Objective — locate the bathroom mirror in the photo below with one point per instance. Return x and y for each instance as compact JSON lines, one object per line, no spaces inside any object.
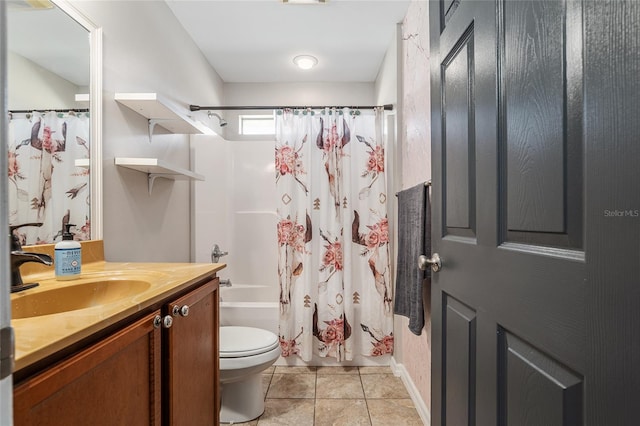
{"x":54,"y":94}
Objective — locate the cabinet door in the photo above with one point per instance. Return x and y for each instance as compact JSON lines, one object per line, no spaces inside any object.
{"x":113,"y":382}
{"x":192,"y":370}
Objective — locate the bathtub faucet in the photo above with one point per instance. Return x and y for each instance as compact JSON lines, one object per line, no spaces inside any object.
{"x":225,"y":283}
{"x":216,"y":254}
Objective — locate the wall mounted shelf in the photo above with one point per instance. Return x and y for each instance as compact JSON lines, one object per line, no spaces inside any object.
{"x":162,"y":112}
{"x":82,"y":162}
{"x":82,"y":97}
{"x":156,"y":168}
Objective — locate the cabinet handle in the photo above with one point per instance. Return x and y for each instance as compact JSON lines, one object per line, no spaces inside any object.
{"x":167,"y":321}
{"x":183,"y":311}
{"x":157,"y":321}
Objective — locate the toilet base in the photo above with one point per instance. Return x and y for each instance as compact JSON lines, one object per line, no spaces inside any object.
{"x":242,"y":401}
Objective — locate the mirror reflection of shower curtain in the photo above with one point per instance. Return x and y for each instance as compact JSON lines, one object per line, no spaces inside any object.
{"x":45,"y":185}
{"x":333,"y":239}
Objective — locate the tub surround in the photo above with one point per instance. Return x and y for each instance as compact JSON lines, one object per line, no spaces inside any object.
{"x":36,"y":338}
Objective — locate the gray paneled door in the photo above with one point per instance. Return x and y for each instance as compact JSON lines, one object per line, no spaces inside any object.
{"x":536,"y":212}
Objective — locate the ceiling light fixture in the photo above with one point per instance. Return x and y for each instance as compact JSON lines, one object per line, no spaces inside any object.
{"x":305,"y":62}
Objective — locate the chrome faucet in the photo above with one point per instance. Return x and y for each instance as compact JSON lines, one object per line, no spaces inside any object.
{"x":216,"y":254}
{"x":18,"y":257}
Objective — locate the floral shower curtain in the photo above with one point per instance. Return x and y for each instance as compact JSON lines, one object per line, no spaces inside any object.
{"x":333,"y":266}
{"x":44,"y":183}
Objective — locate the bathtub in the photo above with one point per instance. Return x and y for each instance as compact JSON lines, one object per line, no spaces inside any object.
{"x":257,"y":306}
{"x":250,"y":306}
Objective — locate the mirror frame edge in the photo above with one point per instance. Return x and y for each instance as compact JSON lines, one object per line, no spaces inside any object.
{"x":95,"y":107}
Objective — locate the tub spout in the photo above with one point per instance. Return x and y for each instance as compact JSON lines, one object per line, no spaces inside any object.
{"x":225,"y":283}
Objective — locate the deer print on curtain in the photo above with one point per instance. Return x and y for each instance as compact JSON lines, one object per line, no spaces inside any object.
{"x":335,"y":287}
{"x":44,"y":183}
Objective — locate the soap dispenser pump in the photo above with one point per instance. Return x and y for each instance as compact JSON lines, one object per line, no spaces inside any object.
{"x":68,"y":256}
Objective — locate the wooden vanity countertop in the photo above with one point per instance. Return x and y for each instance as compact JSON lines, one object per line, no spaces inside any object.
{"x":38,"y":337}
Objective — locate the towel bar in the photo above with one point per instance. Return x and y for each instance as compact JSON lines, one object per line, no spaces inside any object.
{"x":427,"y":183}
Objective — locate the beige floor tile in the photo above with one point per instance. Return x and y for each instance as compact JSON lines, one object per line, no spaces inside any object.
{"x":269,"y":370}
{"x":341,"y":412}
{"x":294,"y":370}
{"x":339,"y":386}
{"x":383,"y":386}
{"x":251,"y":423}
{"x":385,"y":412}
{"x":266,"y":380}
{"x":375,"y":370}
{"x":337,"y":370}
{"x":284,"y":412}
{"x":292,"y":386}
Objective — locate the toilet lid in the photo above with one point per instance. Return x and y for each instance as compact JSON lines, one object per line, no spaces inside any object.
{"x":237,"y":341}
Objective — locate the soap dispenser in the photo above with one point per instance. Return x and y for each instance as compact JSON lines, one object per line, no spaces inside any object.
{"x":68,"y":256}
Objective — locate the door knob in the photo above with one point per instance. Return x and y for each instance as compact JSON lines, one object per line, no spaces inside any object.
{"x":435,"y":262}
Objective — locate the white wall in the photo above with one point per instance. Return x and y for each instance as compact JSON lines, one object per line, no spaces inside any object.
{"x":33,"y":87}
{"x":291,"y":94}
{"x":212,"y":200}
{"x":299,"y":93}
{"x":236,"y":208}
{"x":147,"y":50}
{"x":386,"y":84}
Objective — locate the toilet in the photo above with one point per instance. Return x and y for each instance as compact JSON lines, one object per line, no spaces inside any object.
{"x":245,"y":352}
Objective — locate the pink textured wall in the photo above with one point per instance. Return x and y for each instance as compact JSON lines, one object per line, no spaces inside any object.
{"x":416,"y":168}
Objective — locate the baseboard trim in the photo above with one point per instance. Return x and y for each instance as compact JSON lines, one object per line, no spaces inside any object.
{"x":399,"y":371}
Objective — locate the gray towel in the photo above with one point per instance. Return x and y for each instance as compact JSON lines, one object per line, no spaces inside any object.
{"x":414,"y":239}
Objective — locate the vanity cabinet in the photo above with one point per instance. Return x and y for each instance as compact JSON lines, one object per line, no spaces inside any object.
{"x":160,"y":369}
{"x":116,"y":381}
{"x":191,"y":358}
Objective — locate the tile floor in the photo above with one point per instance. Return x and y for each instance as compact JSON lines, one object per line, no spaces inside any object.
{"x":335,"y":396}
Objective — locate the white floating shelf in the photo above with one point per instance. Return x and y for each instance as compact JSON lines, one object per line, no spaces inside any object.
{"x":162,"y":112}
{"x":82,"y":97}
{"x":156,"y":168}
{"x":82,"y":162}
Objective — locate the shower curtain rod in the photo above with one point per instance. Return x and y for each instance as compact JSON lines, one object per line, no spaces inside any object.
{"x":28,"y":111}
{"x":387,"y":107}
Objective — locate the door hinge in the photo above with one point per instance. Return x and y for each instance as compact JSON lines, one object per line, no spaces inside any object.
{"x":7,"y":351}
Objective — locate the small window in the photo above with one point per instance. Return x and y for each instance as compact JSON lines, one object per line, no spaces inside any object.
{"x":257,"y":125}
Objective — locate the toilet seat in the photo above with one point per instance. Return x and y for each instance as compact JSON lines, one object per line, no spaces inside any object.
{"x":245,"y":352}
{"x":238,"y":342}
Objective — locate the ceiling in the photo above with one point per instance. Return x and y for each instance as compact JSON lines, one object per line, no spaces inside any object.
{"x":255,"y":41}
{"x":243,"y":40}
